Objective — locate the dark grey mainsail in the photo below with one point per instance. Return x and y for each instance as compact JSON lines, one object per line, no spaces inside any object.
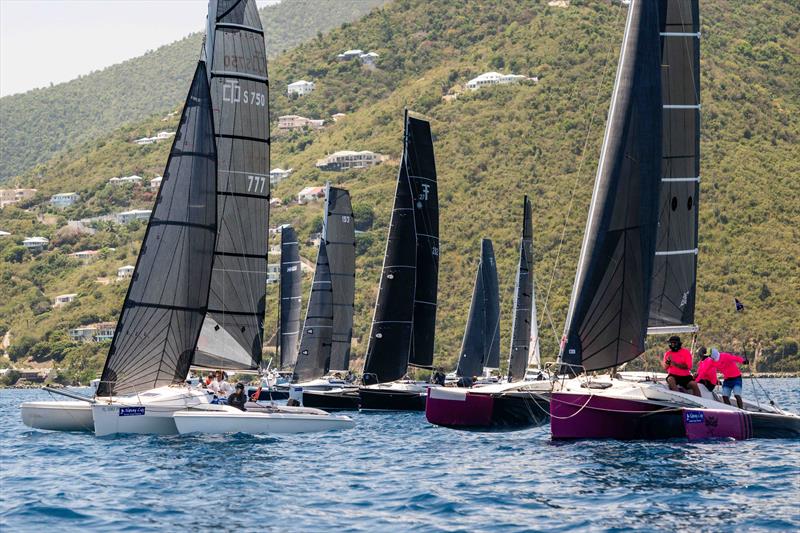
{"x":291,"y":294}
{"x":672,"y":298}
{"x":340,"y":241}
{"x":608,"y":311}
{"x":404,"y":321}
{"x":314,"y":358}
{"x":523,"y":300}
{"x":233,"y":331}
{"x":481,"y":346}
{"x":168,"y":294}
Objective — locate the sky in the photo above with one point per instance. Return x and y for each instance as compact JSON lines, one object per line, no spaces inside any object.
{"x":52,"y":41}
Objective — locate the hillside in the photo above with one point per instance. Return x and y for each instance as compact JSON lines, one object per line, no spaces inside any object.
{"x":492,"y":146}
{"x":36,"y":124}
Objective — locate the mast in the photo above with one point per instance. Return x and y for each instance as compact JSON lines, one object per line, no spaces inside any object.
{"x":404,"y":320}
{"x":480,"y":344}
{"x":232,"y":334}
{"x":674,"y":279}
{"x":608,"y":311}
{"x":290,"y":295}
{"x":523,"y":300}
{"x":166,"y":300}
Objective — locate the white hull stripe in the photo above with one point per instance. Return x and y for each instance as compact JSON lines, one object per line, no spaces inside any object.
{"x":678,"y":252}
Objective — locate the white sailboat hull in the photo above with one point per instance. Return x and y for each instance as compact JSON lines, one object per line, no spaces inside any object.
{"x":286,"y":420}
{"x":148,"y":413}
{"x":58,"y":415}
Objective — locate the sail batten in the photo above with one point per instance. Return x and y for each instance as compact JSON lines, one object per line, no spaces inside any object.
{"x":167,"y":298}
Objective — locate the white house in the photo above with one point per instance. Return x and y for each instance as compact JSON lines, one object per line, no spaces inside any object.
{"x":338,"y":116}
{"x":348,"y":159}
{"x":125,"y":271}
{"x":63,"y":199}
{"x":300,"y":88}
{"x":347,"y":55}
{"x":273,"y":273}
{"x":85,"y":256}
{"x":275,"y":202}
{"x":4,"y":233}
{"x":493,"y":78}
{"x":35,"y":244}
{"x":295,"y":122}
{"x":100,"y":331}
{"x":126,"y":180}
{"x":369,"y":58}
{"x":161,"y":135}
{"x":276,"y":175}
{"x":155,"y":183}
{"x":310,"y":194}
{"x":64,"y":299}
{"x":144,"y":140}
{"x":134,"y":214}
{"x":12,"y":196}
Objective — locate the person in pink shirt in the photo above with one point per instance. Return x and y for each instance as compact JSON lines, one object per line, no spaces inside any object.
{"x":706,"y":370}
{"x":678,"y":364}
{"x":731,"y":375}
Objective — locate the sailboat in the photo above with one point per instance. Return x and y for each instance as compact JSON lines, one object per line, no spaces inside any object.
{"x":404,"y":321}
{"x":198,"y":289}
{"x":519,"y":401}
{"x":638,"y":263}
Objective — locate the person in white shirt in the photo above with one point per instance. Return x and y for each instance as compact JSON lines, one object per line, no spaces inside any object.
{"x":225,"y":388}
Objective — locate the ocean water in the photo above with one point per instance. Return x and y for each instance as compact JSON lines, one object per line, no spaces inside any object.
{"x":393,"y":472}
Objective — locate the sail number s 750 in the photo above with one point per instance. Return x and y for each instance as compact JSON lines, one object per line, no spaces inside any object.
{"x":232,"y":92}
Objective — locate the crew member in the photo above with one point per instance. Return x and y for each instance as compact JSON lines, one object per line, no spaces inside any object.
{"x":706,"y":370}
{"x":238,"y":398}
{"x":678,"y":364}
{"x":731,"y":375}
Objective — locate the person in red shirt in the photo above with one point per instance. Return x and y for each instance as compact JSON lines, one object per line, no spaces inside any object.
{"x":706,"y":370}
{"x":678,"y":364}
{"x":731,"y":375}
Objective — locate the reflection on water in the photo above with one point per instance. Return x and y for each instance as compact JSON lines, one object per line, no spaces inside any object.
{"x":392,"y":472}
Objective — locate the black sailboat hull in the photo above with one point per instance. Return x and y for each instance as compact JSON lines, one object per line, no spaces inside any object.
{"x":340,"y":400}
{"x":267,"y":395}
{"x":391,"y":400}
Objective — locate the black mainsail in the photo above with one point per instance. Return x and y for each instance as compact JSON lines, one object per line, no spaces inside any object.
{"x":523,"y":300}
{"x":233,"y":331}
{"x":481,"y":345}
{"x":291,"y":294}
{"x":340,"y":242}
{"x":314,"y":358}
{"x":403,"y":325}
{"x":167,"y":298}
{"x":672,"y":298}
{"x":608,"y":311}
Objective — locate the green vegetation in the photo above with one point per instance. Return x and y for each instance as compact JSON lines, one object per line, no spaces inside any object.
{"x":492,"y":146}
{"x":38,"y":123}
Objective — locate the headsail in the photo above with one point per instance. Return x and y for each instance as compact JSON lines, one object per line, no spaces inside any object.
{"x":481,"y":346}
{"x":314,"y":358}
{"x":607,"y":317}
{"x":340,"y":241}
{"x":167,"y":298}
{"x":291,"y":294}
{"x":523,"y":299}
{"x":403,"y":325}
{"x":233,"y":331}
{"x":672,"y":297}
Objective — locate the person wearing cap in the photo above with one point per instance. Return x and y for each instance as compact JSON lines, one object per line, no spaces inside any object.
{"x":731,"y":375}
{"x":706,"y":370}
{"x":678,"y":364}
{"x":238,"y":398}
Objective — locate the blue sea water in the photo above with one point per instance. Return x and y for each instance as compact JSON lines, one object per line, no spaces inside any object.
{"x":393,"y":472}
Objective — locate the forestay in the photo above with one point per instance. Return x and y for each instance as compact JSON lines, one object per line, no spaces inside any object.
{"x":232,"y":334}
{"x":168,"y":294}
{"x":291,"y":294}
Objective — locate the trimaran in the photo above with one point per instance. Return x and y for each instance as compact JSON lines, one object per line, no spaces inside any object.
{"x":198,"y":292}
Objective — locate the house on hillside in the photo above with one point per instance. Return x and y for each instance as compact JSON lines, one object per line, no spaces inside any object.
{"x":495,"y":78}
{"x":64,"y":299}
{"x":276,"y":175}
{"x":144,"y":141}
{"x":348,"y":159}
{"x":296,"y":122}
{"x":310,"y":194}
{"x":101,"y":331}
{"x":63,"y":199}
{"x":4,"y":233}
{"x":85,"y":256}
{"x":275,"y":202}
{"x":338,"y":116}
{"x":126,"y":180}
{"x":370,"y":58}
{"x":155,"y":183}
{"x":300,"y":88}
{"x":162,"y":135}
{"x":347,"y":55}
{"x":134,"y":214}
{"x":273,"y":273}
{"x":12,"y":196}
{"x":35,"y":244}
{"x":124,"y":272}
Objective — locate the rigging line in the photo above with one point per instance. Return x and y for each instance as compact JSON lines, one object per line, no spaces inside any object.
{"x":577,"y":179}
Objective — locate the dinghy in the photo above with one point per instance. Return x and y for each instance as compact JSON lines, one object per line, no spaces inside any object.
{"x":638,"y":264}
{"x":404,"y":321}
